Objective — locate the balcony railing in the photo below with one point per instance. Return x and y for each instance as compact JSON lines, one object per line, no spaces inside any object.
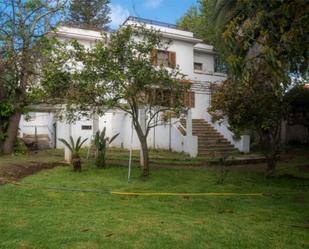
{"x":152,"y":22}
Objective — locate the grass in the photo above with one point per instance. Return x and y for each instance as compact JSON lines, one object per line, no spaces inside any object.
{"x":156,"y":157}
{"x":34,"y":217}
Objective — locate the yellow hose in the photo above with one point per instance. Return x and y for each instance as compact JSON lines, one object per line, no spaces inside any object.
{"x":135,"y":193}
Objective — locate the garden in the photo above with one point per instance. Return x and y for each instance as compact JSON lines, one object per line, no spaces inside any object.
{"x":39,"y":209}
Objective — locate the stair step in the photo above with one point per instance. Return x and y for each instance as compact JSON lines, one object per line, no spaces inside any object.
{"x":211,"y":149}
{"x":210,"y":141}
{"x":205,"y":133}
{"x":209,"y":136}
{"x":30,"y":136}
{"x":220,"y":140}
{"x":204,"y":130}
{"x":215,"y":145}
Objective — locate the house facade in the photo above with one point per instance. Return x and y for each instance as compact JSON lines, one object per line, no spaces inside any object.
{"x":195,"y":134}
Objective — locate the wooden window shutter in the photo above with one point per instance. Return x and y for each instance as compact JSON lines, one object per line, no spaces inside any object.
{"x":190,"y":99}
{"x":154,"y":57}
{"x":172,"y":59}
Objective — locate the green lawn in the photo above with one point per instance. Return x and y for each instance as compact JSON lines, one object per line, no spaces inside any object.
{"x":33,"y":216}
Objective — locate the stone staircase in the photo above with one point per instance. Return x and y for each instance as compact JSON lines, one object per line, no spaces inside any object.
{"x":41,"y":142}
{"x":210,"y":141}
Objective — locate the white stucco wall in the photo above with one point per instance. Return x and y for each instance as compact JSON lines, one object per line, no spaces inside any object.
{"x":206,"y":59}
{"x":184,"y":56}
{"x":115,"y":122}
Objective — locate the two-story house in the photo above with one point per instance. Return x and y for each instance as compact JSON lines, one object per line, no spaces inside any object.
{"x":196,"y":60}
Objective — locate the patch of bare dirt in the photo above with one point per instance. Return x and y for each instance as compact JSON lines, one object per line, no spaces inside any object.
{"x":14,"y":172}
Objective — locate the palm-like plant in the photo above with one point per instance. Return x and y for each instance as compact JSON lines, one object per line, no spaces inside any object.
{"x":101,"y":142}
{"x":74,"y":148}
{"x":225,"y":11}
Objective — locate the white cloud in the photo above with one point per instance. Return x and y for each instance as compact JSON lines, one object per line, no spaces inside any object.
{"x":118,"y":15}
{"x":153,"y":3}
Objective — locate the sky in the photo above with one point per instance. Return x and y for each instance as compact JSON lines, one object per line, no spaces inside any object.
{"x":160,"y":10}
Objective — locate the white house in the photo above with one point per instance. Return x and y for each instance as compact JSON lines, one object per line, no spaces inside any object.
{"x":202,"y":137}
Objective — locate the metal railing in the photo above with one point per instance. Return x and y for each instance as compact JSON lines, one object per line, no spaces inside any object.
{"x":178,"y":126}
{"x":148,"y":21}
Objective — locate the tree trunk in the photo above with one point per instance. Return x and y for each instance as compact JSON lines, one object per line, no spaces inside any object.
{"x":145,"y":165}
{"x":12,"y":132}
{"x":274,"y":139}
{"x":144,"y":162}
{"x":271,"y":161}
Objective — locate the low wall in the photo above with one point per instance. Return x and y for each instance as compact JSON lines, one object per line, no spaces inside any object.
{"x":160,"y":137}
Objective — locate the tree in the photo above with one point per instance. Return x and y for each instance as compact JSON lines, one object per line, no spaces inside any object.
{"x":89,"y":14}
{"x":264,"y":47}
{"x":119,"y":72}
{"x":23,"y":26}
{"x":198,"y":19}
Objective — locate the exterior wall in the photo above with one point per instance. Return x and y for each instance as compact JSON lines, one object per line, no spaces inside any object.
{"x":206,"y":59}
{"x":65,"y":130}
{"x":160,"y":137}
{"x":184,"y":56}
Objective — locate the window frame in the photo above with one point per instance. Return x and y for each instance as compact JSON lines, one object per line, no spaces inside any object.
{"x":200,"y":64}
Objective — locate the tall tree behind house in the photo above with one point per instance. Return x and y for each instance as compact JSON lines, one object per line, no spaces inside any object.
{"x":89,"y":14}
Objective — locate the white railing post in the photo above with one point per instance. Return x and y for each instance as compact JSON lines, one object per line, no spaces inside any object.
{"x":191,"y":142}
{"x":245,"y":143}
{"x":189,"y":123}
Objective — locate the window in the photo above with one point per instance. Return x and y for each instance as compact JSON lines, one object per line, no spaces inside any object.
{"x":166,"y":98}
{"x":220,"y":65}
{"x":198,"y":66}
{"x":164,"y":58}
{"x":86,"y":127}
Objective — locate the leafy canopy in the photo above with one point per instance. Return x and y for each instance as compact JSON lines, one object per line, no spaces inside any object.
{"x":89,"y":14}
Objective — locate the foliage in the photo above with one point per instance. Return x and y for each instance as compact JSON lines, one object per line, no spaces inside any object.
{"x":101,"y":142}
{"x":198,"y":19}
{"x":74,"y":148}
{"x":23,"y":29}
{"x":222,"y":171}
{"x":20,"y":147}
{"x":89,"y":14}
{"x":118,"y":72}
{"x":264,"y":46}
